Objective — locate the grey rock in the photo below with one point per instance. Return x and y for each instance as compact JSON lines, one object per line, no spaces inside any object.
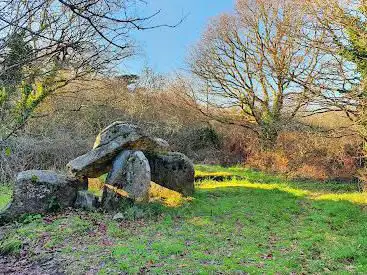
{"x":41,"y":191}
{"x":118,"y":129}
{"x":131,"y":173}
{"x":110,"y":142}
{"x":172,"y":170}
{"x":112,"y":201}
{"x":86,"y":200}
{"x":114,"y":130}
{"x":118,"y":217}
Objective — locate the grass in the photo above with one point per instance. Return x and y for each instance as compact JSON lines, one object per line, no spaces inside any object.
{"x":5,"y":195}
{"x":250,"y":222}
{"x":232,"y":173}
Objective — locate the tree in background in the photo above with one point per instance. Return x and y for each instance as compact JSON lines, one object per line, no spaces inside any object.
{"x":13,"y":88}
{"x":253,"y":66}
{"x":345,"y":42}
{"x":344,"y":22}
{"x":46,"y":45}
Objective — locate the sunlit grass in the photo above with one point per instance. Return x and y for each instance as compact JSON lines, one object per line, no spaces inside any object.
{"x":158,"y":194}
{"x":166,"y":196}
{"x":254,"y":176}
{"x":95,"y":185}
{"x":247,"y":184}
{"x":359,"y":198}
{"x":259,"y":180}
{"x":209,"y":171}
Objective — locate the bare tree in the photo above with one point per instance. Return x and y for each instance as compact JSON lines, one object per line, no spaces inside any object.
{"x":344,"y":86}
{"x":254,"y":66}
{"x":63,"y":40}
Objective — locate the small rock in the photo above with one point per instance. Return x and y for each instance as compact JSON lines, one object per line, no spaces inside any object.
{"x":118,"y":217}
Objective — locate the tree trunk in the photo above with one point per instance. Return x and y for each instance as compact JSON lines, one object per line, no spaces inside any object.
{"x":268,"y":136}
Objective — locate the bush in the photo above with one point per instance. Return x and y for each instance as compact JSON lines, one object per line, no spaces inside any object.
{"x":308,"y":155}
{"x":28,"y":152}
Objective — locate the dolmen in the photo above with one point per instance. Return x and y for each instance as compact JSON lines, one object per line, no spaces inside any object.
{"x":130,"y":157}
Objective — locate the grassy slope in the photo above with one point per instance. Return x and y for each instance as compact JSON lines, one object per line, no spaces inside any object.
{"x":257,"y":224}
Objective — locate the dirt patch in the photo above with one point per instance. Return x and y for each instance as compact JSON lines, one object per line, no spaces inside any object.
{"x":13,"y":265}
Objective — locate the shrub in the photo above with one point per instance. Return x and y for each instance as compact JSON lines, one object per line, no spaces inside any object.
{"x":28,"y":152}
{"x":271,"y":161}
{"x":309,"y":155}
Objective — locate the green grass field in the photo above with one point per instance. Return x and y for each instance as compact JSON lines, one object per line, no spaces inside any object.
{"x":248,"y":222}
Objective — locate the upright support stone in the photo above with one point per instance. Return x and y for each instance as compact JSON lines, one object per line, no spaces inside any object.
{"x":131,"y":173}
{"x":172,"y":170}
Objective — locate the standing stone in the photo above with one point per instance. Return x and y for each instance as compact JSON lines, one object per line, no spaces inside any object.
{"x":172,"y":170}
{"x":40,"y":191}
{"x":109,"y":143}
{"x":131,"y":173}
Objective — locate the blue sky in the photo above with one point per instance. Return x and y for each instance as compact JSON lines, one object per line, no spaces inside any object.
{"x":165,"y":49}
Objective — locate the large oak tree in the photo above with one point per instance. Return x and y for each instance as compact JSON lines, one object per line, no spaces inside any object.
{"x":253,"y":64}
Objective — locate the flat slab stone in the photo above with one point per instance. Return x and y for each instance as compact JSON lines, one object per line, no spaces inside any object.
{"x":40,"y":191}
{"x":109,"y":143}
{"x":172,"y":170}
{"x":118,"y":129}
{"x":131,"y":173}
